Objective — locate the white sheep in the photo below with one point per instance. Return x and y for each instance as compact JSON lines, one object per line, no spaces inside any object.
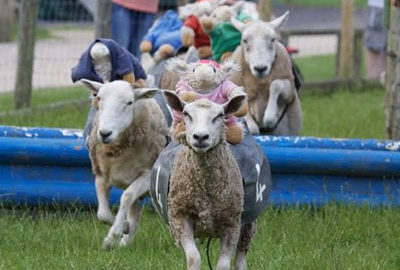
{"x":267,"y":77}
{"x":206,"y":194}
{"x":129,"y":132}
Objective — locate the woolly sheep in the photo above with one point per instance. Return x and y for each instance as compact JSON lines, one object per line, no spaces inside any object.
{"x":129,"y":132}
{"x":206,"y":190}
{"x":267,"y":77}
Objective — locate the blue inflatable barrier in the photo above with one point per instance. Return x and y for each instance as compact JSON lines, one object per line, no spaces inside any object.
{"x":40,"y":165}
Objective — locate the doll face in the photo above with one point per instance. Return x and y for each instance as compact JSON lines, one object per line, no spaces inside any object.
{"x":204,"y":77}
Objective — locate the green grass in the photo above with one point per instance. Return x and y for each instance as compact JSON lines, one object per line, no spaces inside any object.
{"x":334,"y":237}
{"x":344,"y":114}
{"x":318,"y":3}
{"x":41,"y":97}
{"x":320,"y":68}
{"x":40,"y":33}
{"x":317,"y":68}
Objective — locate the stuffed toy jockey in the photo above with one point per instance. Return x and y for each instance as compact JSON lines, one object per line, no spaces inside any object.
{"x":164,"y":37}
{"x":206,"y":79}
{"x":223,"y":35}
{"x":105,"y":60}
{"x":193,"y":33}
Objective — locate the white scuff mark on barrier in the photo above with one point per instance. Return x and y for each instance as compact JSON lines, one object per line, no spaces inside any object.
{"x":29,"y":135}
{"x":395,"y":146}
{"x":7,"y":194}
{"x":69,"y":132}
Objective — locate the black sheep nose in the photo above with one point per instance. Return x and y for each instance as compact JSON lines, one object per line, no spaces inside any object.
{"x":105,"y":133}
{"x":260,"y":69}
{"x":200,"y":137}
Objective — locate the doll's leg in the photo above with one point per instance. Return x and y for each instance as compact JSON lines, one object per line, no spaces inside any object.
{"x":234,"y":134}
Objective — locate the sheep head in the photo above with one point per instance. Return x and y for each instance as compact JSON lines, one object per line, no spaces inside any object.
{"x":204,"y":120}
{"x":203,"y":76}
{"x":116,"y":104}
{"x":259,"y":43}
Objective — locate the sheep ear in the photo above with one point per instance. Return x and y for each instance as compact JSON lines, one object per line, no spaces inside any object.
{"x":234,"y":104}
{"x":237,"y":24}
{"x":92,"y":85}
{"x":176,"y":65}
{"x":230,"y":67}
{"x":140,"y":93}
{"x":174,"y":101}
{"x":280,"y":21}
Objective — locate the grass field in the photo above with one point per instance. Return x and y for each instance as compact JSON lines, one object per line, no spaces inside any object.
{"x":334,"y":237}
{"x":345,"y":114}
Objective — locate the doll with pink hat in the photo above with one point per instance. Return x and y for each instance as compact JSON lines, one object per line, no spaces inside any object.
{"x":206,"y":79}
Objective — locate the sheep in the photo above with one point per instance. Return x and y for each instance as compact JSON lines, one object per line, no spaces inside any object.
{"x":266,"y":75}
{"x":206,"y":196}
{"x":129,"y":131}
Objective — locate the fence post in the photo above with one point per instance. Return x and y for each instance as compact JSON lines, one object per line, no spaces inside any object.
{"x":6,"y":20}
{"x":346,"y":68}
{"x":358,"y":54}
{"x":392,"y":98}
{"x":265,"y":10}
{"x":26,"y":44}
{"x":103,"y":19}
{"x":182,"y":2}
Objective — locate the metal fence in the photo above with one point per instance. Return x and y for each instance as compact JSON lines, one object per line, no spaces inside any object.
{"x":63,"y":31}
{"x":65,"y":28}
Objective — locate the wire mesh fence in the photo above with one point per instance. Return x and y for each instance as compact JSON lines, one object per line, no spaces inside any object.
{"x":65,"y":28}
{"x":63,"y":31}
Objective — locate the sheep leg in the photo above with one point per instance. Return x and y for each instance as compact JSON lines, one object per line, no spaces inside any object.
{"x":229,"y":241}
{"x":133,"y":220}
{"x":138,"y":187}
{"x":252,"y":125}
{"x":186,"y":240}
{"x":279,"y":89}
{"x":102,"y":191}
{"x":246,"y":234}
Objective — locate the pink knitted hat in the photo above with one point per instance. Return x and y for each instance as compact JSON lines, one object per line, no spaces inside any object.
{"x":211,"y":62}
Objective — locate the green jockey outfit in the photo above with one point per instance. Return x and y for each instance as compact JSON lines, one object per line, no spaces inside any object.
{"x":225,"y":37}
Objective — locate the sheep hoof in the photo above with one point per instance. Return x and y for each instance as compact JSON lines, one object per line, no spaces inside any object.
{"x":108,"y":243}
{"x":126,"y":227}
{"x":125,"y":241}
{"x":106,"y":217}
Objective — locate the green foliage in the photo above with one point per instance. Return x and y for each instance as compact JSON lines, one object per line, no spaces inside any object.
{"x":332,"y":237}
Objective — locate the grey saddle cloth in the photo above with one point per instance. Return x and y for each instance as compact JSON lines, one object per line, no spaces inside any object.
{"x":253,"y":165}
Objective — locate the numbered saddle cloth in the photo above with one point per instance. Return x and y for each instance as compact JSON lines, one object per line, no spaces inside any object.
{"x":254,"y":167}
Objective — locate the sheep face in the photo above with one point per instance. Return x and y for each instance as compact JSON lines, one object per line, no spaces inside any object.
{"x":116,"y":104}
{"x":259,"y":44}
{"x":204,"y":119}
